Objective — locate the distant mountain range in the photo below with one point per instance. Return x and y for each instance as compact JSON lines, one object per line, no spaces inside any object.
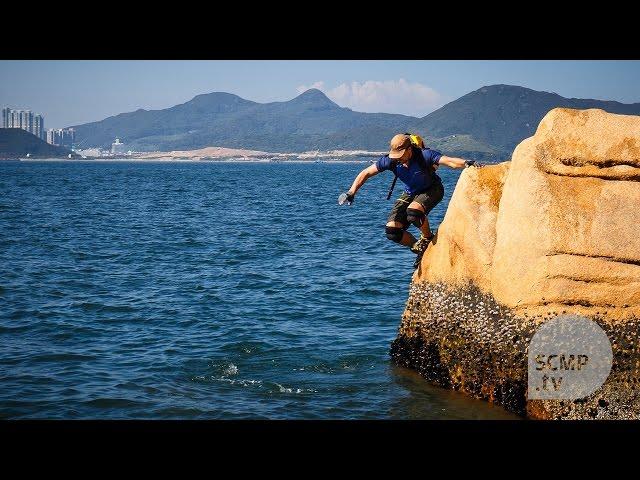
{"x":486,"y":123}
{"x":17,"y":143}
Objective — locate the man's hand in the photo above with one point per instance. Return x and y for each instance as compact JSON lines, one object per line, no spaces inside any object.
{"x":350,"y":196}
{"x":455,"y":162}
{"x":472,"y":163}
{"x":346,"y":197}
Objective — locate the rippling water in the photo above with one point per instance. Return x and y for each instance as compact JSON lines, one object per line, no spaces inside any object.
{"x":204,"y":290}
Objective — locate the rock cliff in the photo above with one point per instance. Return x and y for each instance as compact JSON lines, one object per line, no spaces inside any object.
{"x":554,"y":231}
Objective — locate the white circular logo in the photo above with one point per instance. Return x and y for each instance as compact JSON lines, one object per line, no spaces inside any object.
{"x":569,"y":358}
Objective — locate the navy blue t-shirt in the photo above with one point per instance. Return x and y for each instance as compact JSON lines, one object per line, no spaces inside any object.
{"x":413,"y":176}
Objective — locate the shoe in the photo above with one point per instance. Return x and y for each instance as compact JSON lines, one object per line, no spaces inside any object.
{"x":421,"y":245}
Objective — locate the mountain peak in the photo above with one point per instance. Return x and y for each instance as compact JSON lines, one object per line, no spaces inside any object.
{"x":214,"y":102}
{"x":501,"y":89}
{"x":315,"y":96}
{"x":219,"y":97}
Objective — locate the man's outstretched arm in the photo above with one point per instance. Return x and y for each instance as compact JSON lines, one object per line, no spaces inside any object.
{"x":362,"y":177}
{"x":455,"y":162}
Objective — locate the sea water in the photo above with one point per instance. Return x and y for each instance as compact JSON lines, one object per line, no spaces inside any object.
{"x":213,"y":290}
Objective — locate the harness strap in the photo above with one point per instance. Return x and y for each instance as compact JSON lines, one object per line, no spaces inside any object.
{"x":393,"y":184}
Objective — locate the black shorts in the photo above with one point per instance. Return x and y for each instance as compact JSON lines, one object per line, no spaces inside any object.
{"x":428,"y":200}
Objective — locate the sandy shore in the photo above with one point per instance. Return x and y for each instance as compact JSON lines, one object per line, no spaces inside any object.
{"x":204,"y":153}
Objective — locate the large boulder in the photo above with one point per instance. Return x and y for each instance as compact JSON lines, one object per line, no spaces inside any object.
{"x":554,"y":231}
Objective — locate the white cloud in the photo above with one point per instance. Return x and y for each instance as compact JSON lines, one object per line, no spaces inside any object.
{"x":389,"y":96}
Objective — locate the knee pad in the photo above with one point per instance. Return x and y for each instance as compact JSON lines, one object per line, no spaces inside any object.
{"x":415,"y":216}
{"x":394,"y":233}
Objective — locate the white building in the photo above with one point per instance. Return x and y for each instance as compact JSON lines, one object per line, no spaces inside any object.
{"x":117,"y":147}
{"x":90,"y":152}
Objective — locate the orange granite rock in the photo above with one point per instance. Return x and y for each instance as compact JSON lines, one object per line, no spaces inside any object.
{"x":555,"y":230}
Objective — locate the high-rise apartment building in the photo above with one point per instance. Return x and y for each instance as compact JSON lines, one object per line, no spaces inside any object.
{"x":25,"y":120}
{"x":63,"y":137}
{"x":38,"y":127}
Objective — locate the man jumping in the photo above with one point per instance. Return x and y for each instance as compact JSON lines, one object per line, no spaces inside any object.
{"x":415,"y":167}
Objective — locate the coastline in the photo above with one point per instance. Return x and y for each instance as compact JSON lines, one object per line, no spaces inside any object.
{"x":223,"y":154}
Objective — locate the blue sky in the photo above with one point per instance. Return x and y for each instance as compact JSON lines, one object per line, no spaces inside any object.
{"x":73,"y":92}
